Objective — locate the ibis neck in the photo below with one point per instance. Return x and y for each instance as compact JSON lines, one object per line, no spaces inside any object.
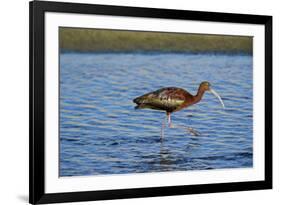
{"x":199,"y":95}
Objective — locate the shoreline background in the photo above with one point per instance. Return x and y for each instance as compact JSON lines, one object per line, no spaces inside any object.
{"x":104,"y":40}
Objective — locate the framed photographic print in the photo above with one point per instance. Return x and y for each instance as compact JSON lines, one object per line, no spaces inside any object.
{"x":140,"y":102}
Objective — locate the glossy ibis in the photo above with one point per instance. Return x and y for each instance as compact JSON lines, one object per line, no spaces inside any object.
{"x":172,"y":99}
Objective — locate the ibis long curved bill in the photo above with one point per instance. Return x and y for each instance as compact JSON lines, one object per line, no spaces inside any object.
{"x":217,"y":95}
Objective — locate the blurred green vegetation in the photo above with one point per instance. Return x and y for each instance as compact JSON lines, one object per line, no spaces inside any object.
{"x":99,"y":40}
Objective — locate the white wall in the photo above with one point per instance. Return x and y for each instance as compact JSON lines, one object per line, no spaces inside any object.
{"x":14,"y":100}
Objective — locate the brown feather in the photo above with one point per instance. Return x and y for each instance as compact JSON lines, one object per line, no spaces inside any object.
{"x":170,"y":99}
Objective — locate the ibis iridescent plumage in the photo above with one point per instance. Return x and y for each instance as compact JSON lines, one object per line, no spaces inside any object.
{"x":172,"y":99}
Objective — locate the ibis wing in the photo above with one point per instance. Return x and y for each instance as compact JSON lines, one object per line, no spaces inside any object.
{"x":168,"y":99}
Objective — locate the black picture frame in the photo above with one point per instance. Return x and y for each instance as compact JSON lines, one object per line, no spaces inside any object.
{"x":37,"y":9}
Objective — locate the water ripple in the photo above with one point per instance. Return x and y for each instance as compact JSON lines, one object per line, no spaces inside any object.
{"x":102,"y":133}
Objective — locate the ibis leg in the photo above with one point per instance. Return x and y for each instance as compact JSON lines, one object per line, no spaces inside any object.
{"x":193,"y":131}
{"x":162,"y":129}
{"x":169,"y":119}
{"x":189,"y":129}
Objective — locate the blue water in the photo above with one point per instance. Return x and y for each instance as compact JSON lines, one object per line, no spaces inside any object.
{"x":101,"y":132}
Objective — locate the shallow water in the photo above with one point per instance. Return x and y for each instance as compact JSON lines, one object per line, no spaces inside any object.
{"x":102,"y":133}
